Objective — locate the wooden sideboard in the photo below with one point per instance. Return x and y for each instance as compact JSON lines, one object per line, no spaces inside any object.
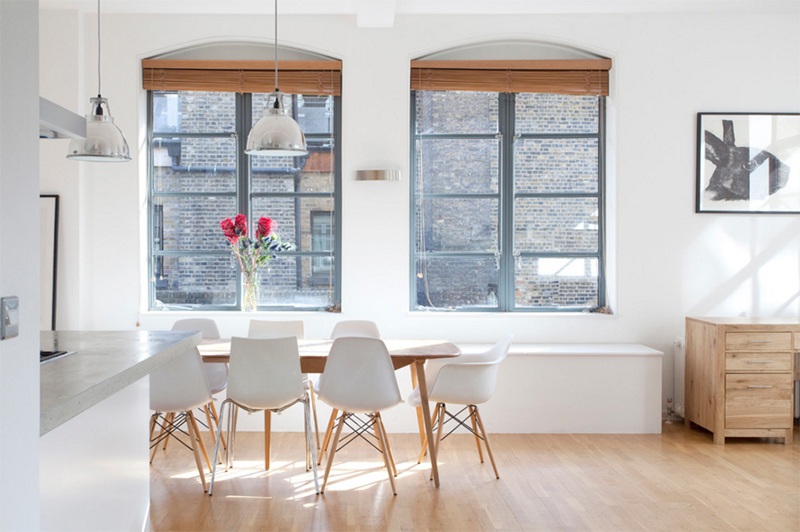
{"x":740,"y":376}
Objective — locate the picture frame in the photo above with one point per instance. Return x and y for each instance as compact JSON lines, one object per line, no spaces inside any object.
{"x":748,"y":163}
{"x":48,"y":256}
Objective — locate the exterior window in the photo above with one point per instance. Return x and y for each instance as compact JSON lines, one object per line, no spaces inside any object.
{"x":508,"y":201}
{"x":321,"y":240}
{"x":200,"y":175}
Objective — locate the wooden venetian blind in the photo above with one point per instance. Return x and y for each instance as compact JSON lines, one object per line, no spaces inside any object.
{"x":294,"y":77}
{"x":557,"y":76}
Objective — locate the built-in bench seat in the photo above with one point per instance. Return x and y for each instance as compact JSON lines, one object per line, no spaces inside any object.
{"x":576,"y":388}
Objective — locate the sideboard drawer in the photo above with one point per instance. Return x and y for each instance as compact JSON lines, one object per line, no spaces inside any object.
{"x":758,"y":361}
{"x":758,"y":341}
{"x":754,"y":401}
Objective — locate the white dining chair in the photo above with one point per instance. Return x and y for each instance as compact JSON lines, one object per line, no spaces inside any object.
{"x":216,"y":373}
{"x":264,"y":375}
{"x":282,"y":329}
{"x":347,"y":328}
{"x":359,"y":379}
{"x":469,"y":380}
{"x":176,"y":389}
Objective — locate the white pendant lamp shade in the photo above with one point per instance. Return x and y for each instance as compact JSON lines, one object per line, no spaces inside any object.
{"x":276,"y":134}
{"x":104,"y":141}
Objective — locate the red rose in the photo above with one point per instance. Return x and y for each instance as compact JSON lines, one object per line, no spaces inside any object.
{"x":229,"y":230}
{"x":264,"y":227}
{"x":240,"y":223}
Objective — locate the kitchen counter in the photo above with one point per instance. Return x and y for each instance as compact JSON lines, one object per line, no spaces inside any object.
{"x":104,"y":363}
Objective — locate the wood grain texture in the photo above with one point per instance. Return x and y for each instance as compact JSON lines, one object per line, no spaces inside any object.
{"x":758,"y":341}
{"x":758,"y":401}
{"x":674,"y":481}
{"x":739,"y":376}
{"x":758,"y":362}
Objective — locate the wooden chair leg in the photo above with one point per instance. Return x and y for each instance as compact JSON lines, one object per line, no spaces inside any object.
{"x":153,"y":420}
{"x":385,"y":445}
{"x":328,"y":432}
{"x":267,"y":434}
{"x":472,"y":410}
{"x":486,"y":441}
{"x":333,"y":451}
{"x":424,"y":450}
{"x":381,"y":440}
{"x":314,"y":413}
{"x":193,"y":422}
{"x":441,"y":409}
{"x":168,"y":419}
{"x":216,"y":418}
{"x":192,"y":438}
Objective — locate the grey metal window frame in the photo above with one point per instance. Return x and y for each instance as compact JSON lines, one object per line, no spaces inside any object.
{"x":244,"y":197}
{"x":506,"y":195}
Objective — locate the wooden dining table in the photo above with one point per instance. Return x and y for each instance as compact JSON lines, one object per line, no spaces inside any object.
{"x":411,"y":353}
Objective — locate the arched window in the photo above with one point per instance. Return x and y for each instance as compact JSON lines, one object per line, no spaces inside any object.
{"x":202,"y":105}
{"x":507,"y":158}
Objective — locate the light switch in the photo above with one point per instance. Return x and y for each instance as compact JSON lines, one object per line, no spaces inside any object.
{"x":9,"y":315}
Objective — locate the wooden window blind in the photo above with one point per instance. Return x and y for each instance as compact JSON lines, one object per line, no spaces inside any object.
{"x":558,"y":76}
{"x":294,"y":77}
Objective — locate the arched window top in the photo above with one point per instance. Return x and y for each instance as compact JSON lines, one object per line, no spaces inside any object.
{"x":510,"y":66}
{"x":242,"y":67}
{"x":510,"y":51}
{"x":240,"y":51}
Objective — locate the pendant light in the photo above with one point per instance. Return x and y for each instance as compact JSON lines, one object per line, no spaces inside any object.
{"x":104,"y":141}
{"x":276,"y":134}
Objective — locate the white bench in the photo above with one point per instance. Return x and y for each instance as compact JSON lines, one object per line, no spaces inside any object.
{"x":576,"y":388}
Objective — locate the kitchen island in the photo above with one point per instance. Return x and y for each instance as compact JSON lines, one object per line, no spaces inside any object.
{"x":94,"y":412}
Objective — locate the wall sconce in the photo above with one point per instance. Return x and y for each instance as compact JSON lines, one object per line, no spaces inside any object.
{"x":378,"y":175}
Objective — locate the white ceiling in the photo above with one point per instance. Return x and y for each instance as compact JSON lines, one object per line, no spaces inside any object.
{"x":382,"y":8}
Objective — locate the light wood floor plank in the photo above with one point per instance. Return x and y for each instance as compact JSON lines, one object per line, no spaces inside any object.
{"x":675,"y":481}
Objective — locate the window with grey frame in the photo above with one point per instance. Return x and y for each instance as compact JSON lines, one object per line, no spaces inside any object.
{"x":508,"y":202}
{"x":200,"y":175}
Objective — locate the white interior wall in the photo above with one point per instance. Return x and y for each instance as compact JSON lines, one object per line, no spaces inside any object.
{"x":667,"y":262}
{"x":19,"y":264}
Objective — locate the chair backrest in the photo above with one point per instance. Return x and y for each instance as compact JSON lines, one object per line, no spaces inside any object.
{"x":216,"y":373}
{"x":180,"y":385}
{"x":433,"y":366}
{"x":206,"y":326}
{"x":264,"y":372}
{"x":359,"y":328}
{"x":276,"y":329}
{"x":359,"y":376}
{"x":470,"y":379}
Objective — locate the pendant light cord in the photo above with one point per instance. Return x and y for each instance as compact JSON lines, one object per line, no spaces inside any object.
{"x":276,"y":45}
{"x":98,"y":49}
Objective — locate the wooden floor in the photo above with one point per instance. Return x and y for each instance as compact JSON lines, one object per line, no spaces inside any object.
{"x":678,"y":480}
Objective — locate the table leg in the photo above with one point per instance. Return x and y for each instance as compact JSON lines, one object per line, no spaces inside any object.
{"x":420,"y":416}
{"x":267,"y":434}
{"x":426,"y":413}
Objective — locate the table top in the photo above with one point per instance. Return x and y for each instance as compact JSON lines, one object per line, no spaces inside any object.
{"x":104,"y":362}
{"x":314,"y":352}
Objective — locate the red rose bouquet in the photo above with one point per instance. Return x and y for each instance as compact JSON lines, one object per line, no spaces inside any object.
{"x":252,"y":253}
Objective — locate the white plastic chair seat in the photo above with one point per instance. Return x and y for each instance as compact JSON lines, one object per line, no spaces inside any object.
{"x":217,"y":375}
{"x":465,"y":379}
{"x":261,"y":384}
{"x":359,"y":376}
{"x":179,"y":385}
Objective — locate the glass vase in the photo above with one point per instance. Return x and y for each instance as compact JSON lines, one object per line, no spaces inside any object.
{"x":250,"y":287}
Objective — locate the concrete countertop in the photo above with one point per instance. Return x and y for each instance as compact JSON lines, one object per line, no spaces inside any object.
{"x":104,"y":363}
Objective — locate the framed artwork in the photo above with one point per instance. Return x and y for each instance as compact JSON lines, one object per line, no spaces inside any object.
{"x":48,"y":256}
{"x":748,"y":163}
